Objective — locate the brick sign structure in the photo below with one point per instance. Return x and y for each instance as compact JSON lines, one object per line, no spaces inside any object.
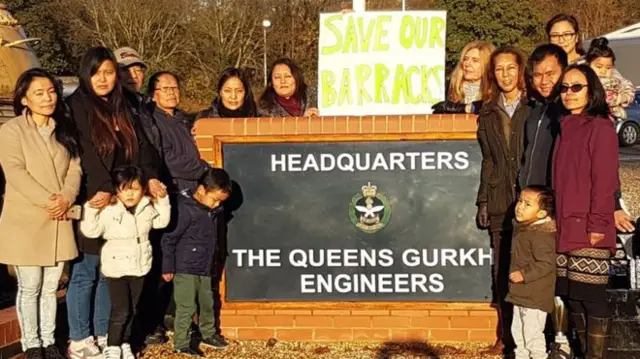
{"x":347,"y":320}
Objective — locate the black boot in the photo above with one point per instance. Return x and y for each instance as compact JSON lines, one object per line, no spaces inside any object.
{"x":580,"y":326}
{"x":598,"y":334}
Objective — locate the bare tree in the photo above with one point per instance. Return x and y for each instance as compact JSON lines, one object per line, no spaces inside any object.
{"x":155,"y":28}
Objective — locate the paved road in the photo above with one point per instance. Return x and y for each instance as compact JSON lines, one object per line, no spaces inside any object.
{"x":630,"y":154}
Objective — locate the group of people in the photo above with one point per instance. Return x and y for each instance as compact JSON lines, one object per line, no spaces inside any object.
{"x":110,"y":181}
{"x":549,"y":188}
{"x":150,"y":225}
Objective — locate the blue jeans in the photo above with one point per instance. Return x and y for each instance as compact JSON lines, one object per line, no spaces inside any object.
{"x":87,"y":299}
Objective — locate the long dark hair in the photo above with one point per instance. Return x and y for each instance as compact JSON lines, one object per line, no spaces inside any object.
{"x":522,"y":64}
{"x":597,"y":105}
{"x":574,"y":23}
{"x":600,"y":48}
{"x":107,"y":114}
{"x":268,"y":98}
{"x":248,"y":107}
{"x":66,"y":132}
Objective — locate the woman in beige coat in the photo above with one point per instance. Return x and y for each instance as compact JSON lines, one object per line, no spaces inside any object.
{"x":39,"y":155}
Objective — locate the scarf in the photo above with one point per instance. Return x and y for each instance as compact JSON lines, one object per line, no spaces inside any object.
{"x":471,"y":92}
{"x":291,"y":105}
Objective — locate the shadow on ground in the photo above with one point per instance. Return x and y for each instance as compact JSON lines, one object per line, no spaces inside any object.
{"x":416,"y":349}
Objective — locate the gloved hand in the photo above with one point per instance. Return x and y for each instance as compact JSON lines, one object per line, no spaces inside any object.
{"x":448,"y":107}
{"x":482,"y":217}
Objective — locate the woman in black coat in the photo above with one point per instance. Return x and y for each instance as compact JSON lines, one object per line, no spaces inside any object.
{"x":110,"y":136}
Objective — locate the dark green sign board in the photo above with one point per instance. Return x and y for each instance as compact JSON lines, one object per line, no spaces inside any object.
{"x":357,"y":221}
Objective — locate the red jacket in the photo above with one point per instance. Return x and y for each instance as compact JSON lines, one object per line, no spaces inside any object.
{"x":585,"y":179}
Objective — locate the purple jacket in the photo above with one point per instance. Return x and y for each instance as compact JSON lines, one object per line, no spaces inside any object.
{"x":585,"y":178}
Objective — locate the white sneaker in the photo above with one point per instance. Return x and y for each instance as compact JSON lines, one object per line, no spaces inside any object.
{"x":112,"y":352}
{"x":84,"y":349}
{"x":126,"y":351}
{"x":102,"y":342}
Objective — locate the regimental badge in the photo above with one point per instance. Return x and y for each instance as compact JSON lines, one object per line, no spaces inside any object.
{"x":370,"y":210}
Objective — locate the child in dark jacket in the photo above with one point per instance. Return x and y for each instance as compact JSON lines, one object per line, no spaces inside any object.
{"x":532,"y":272}
{"x":189,"y":257}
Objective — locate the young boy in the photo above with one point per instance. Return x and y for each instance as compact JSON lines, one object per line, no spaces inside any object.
{"x":188,"y":257}
{"x":532,"y":271}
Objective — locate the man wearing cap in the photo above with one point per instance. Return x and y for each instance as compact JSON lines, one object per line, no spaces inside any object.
{"x":133,"y":68}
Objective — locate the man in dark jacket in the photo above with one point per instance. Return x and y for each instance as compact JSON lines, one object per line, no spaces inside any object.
{"x":181,"y":169}
{"x":189,"y":257}
{"x":500,"y":130}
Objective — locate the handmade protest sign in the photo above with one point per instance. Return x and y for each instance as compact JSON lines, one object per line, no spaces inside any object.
{"x":381,"y":63}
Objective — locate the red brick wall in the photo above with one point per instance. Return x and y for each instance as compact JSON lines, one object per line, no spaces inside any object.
{"x":471,"y":322}
{"x":436,"y":322}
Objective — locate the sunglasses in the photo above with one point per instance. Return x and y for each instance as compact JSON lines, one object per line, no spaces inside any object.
{"x":574,"y":88}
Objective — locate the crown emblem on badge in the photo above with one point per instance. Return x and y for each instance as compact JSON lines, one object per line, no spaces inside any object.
{"x":370,"y":210}
{"x":369,"y":190}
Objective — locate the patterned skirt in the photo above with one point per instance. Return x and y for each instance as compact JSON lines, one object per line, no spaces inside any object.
{"x":583,"y":274}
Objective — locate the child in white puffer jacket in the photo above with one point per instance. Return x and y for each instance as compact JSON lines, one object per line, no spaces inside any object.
{"x":126,"y":256}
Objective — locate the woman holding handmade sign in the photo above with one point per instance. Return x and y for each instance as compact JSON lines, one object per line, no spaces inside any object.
{"x":469,"y":86}
{"x":500,"y":134}
{"x":287,"y":94}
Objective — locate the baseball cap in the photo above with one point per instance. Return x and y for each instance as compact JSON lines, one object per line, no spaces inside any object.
{"x":127,"y":56}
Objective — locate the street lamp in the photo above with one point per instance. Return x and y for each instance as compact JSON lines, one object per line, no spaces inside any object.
{"x":265,"y":25}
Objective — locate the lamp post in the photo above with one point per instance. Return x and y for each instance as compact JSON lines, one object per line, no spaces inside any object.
{"x":265,"y":25}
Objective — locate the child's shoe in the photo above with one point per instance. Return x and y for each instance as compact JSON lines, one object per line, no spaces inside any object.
{"x":112,"y":352}
{"x":215,"y":342}
{"x":126,"y":351}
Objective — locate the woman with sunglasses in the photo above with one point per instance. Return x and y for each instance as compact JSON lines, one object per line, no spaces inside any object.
{"x":585,"y":178}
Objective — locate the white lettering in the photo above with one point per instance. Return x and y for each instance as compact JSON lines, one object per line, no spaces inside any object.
{"x":348,"y":166}
{"x":239,"y":253}
{"x":380,"y":161}
{"x":485,"y":256}
{"x":282,"y":162}
{"x":310,"y":162}
{"x":412,"y":261}
{"x":444,"y":158}
{"x":413,"y":156}
{"x":366,"y":165}
{"x":449,"y":255}
{"x":386,"y":258}
{"x":397,"y":159}
{"x":324,"y":158}
{"x":402,"y":283}
{"x":295,"y":159}
{"x":467,"y":256}
{"x":462,"y":160}
{"x":306,"y":283}
{"x":298,"y":258}
{"x":437,"y":283}
{"x":428,"y":160}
